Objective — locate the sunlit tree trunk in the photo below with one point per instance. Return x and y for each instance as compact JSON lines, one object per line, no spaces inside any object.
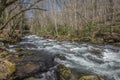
{"x":55,"y":17}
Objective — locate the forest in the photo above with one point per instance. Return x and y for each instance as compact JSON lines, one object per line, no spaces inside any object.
{"x":82,"y":38}
{"x":79,"y":20}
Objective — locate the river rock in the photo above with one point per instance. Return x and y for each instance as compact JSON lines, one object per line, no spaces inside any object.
{"x":6,"y":69}
{"x":32,"y":65}
{"x":2,"y":48}
{"x":85,"y":39}
{"x":91,"y":77}
{"x":63,"y":73}
{"x":4,"y":54}
{"x":61,"y":57}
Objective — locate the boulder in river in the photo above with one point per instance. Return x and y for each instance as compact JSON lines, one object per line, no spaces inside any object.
{"x":61,"y":57}
{"x":64,"y":73}
{"x":32,"y":65}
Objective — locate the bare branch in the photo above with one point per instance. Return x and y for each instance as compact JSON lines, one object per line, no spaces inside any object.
{"x":17,"y":15}
{"x":10,"y":3}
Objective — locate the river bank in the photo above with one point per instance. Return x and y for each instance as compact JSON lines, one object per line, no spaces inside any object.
{"x":96,"y":40}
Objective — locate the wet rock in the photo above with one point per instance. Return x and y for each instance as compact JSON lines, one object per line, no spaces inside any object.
{"x":6,"y":69}
{"x":61,"y":57}
{"x":64,"y":73}
{"x":91,"y":77}
{"x":29,"y":69}
{"x":32,"y":65}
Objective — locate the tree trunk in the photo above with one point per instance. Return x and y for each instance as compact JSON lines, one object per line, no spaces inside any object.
{"x":111,"y":10}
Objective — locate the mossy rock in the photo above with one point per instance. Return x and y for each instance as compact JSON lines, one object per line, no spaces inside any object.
{"x":91,"y":77}
{"x":64,"y":73}
{"x":4,"y":54}
{"x":6,"y":69}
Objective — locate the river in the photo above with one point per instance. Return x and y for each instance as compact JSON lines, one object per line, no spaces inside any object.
{"x":82,"y":57}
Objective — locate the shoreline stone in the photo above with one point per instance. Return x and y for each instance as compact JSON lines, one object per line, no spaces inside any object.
{"x":7,"y":69}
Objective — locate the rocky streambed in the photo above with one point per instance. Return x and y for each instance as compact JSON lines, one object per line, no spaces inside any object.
{"x":37,"y":58}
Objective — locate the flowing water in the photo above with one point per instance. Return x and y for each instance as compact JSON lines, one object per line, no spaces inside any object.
{"x":84,"y":58}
